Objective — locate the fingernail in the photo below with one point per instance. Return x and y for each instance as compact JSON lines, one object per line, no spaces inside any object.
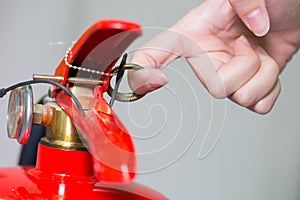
{"x":148,"y":80}
{"x":258,"y":22}
{"x":157,"y":81}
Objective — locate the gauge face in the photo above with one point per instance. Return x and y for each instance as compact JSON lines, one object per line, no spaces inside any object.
{"x":19,"y":114}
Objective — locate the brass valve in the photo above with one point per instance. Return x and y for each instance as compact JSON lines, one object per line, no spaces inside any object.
{"x":60,"y":131}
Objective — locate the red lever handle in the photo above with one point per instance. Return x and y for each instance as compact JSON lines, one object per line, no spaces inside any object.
{"x":108,"y":140}
{"x":99,"y":48}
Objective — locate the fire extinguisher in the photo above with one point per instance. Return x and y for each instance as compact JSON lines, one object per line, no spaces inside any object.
{"x":87,"y":152}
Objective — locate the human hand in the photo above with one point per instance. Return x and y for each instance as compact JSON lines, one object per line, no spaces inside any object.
{"x":226,"y":56}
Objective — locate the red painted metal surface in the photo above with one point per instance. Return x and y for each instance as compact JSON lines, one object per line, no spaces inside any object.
{"x":65,"y":175}
{"x":99,"y":48}
{"x":62,"y":174}
{"x":109,"y":141}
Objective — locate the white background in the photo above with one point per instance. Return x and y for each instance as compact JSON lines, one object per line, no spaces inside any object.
{"x":257,"y":157}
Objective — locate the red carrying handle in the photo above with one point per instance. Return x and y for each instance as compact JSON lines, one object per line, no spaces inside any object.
{"x":108,"y":141}
{"x":99,"y":48}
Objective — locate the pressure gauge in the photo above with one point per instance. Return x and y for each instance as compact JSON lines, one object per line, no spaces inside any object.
{"x":19,"y":114}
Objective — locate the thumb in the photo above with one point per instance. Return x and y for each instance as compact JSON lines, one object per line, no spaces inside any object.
{"x":254,"y":14}
{"x":153,"y":56}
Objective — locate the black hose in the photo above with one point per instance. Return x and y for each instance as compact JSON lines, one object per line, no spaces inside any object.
{"x":3,"y":91}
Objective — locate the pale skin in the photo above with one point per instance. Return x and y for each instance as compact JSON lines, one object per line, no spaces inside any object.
{"x":237,"y":49}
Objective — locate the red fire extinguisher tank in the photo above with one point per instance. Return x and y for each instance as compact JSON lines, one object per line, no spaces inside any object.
{"x":70,"y":172}
{"x":65,"y":175}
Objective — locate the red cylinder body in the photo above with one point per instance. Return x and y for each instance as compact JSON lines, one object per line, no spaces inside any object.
{"x":65,"y":175}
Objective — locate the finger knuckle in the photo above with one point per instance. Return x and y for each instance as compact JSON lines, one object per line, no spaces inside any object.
{"x":244,"y":5}
{"x":245,"y":98}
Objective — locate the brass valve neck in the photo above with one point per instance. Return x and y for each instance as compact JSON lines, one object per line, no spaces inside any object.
{"x":60,"y":131}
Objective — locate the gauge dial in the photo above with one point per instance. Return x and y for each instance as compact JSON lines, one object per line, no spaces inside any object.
{"x":19,"y":114}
